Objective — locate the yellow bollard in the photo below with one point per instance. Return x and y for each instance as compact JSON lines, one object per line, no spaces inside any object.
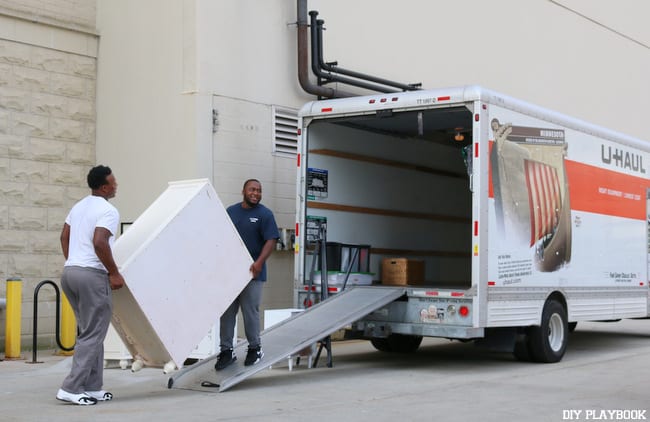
{"x":68,"y":327}
{"x":12,"y":324}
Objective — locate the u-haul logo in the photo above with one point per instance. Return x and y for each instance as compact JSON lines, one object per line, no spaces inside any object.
{"x":618,"y":157}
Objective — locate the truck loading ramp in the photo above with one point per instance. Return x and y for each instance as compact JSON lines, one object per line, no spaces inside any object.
{"x":288,"y":337}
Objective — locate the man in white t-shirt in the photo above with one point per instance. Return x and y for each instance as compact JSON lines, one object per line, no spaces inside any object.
{"x":89,"y":275}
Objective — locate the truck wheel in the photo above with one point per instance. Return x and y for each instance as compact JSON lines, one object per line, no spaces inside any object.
{"x":397,"y":343}
{"x":547,"y":342}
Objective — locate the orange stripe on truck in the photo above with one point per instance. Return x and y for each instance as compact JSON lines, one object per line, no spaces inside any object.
{"x":600,"y":191}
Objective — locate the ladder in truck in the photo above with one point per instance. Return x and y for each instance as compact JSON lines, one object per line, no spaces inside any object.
{"x":289,"y":337}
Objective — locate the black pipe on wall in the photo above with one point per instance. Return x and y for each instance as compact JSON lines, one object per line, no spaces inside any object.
{"x":334,"y":68}
{"x":303,"y":60}
{"x":329,"y":76}
{"x":330,"y":72}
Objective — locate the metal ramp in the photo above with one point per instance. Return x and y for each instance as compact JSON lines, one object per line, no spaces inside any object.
{"x":288,"y":337}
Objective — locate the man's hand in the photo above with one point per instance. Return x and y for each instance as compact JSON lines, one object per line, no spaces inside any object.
{"x":256,"y":268}
{"x":116,"y":281}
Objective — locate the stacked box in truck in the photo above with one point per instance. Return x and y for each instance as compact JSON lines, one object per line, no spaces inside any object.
{"x":527,"y":221}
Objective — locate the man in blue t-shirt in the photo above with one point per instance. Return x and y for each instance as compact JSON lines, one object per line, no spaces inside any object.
{"x":257,"y":228}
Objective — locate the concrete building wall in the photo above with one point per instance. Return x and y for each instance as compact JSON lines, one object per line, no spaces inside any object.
{"x":47,"y":144}
{"x":243,"y":149}
{"x":148,"y":96}
{"x":74,"y":14}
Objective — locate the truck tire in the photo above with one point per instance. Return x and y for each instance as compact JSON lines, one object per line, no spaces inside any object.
{"x":397,"y":343}
{"x":547,"y":342}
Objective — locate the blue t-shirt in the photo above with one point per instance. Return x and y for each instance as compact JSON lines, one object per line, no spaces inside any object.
{"x":255,"y":226}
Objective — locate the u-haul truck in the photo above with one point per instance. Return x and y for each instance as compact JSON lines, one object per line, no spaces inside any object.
{"x":526,"y":221}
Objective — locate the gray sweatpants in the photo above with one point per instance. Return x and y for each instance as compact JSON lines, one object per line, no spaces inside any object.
{"x":89,"y":293}
{"x":249,"y":299}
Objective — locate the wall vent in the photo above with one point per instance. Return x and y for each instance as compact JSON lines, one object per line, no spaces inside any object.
{"x":285,"y":131}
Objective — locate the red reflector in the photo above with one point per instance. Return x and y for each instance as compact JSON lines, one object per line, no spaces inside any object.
{"x":477,"y":117}
{"x":332,"y":289}
{"x":383,"y":100}
{"x":431,"y":293}
{"x":463,"y":311}
{"x":476,"y":150}
{"x":372,"y":101}
{"x":394,"y":99}
{"x":297,"y":233}
{"x":476,"y":228}
{"x":326,"y":109}
{"x":299,"y":131}
{"x":298,"y":160}
{"x":492,"y":283}
{"x":484,"y":106}
{"x":447,"y":98}
{"x":457,"y":294}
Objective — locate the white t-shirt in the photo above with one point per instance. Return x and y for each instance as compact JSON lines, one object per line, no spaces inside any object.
{"x":87,"y":214}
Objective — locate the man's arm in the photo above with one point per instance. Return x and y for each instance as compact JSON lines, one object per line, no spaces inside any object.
{"x":268,"y":247}
{"x":105,"y":255}
{"x":65,"y":240}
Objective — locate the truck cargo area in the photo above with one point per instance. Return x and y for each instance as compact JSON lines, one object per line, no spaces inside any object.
{"x":396,"y":181}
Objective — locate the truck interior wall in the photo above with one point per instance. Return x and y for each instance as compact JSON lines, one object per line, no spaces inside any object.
{"x":405,"y":211}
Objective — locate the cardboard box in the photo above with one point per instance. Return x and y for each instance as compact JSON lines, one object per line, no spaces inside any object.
{"x":402,"y":271}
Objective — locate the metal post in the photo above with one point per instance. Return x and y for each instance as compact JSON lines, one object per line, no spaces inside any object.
{"x":324,"y":282}
{"x":12,"y":327}
{"x":68,"y":326}
{"x":58,"y":319}
{"x":324,"y":294}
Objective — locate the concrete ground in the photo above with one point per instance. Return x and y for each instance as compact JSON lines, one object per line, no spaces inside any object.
{"x":606,"y":369}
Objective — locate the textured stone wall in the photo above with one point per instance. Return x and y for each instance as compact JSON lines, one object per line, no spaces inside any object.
{"x":72,"y":13}
{"x":47,"y":145}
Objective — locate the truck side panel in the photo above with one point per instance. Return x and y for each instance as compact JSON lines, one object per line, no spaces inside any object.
{"x":568,"y":212}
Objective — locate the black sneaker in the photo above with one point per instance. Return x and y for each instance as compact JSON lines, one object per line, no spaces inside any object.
{"x":253,"y":356}
{"x":225,"y":358}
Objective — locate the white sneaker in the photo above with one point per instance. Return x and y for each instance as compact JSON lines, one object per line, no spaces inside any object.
{"x":81,"y":399}
{"x":100,"y":395}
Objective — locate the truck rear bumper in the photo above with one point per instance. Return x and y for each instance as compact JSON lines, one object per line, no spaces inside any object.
{"x":383,"y":329}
